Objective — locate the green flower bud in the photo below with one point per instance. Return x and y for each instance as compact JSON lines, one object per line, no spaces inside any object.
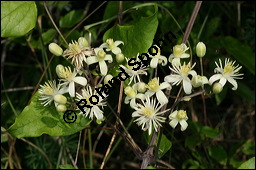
{"x":129,"y":92}
{"x":141,"y":86}
{"x":55,"y":49}
{"x":200,"y":49}
{"x":60,"y":70}
{"x":61,"y":108}
{"x":107,"y":78}
{"x":83,"y":42}
{"x":119,"y":57}
{"x":60,"y":99}
{"x":217,"y":88}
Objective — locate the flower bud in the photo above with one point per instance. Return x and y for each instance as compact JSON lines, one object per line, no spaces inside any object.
{"x":141,"y":86}
{"x":61,"y":108}
{"x":198,"y":81}
{"x":55,"y":49}
{"x":217,"y":88}
{"x":129,"y":92}
{"x":200,"y":49}
{"x":60,"y":99}
{"x":119,"y":57}
{"x":83,"y":42}
{"x":60,"y":70}
{"x":107,"y":78}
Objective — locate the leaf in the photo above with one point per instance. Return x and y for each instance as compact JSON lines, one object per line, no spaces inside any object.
{"x":17,"y":17}
{"x":67,"y":166}
{"x":250,"y":164}
{"x":243,"y":53}
{"x":218,"y":153}
{"x":244,"y":91}
{"x":37,"y":119}
{"x":165,"y":145}
{"x":210,"y":132}
{"x":192,"y":141}
{"x":71,"y":18}
{"x":137,"y":38}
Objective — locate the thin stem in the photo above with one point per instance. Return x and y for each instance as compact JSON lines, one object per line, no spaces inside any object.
{"x":201,"y":65}
{"x":90,"y":149}
{"x":78,"y":145}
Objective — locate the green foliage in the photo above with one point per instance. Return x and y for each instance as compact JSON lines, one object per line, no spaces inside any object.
{"x":36,"y":120}
{"x":17,"y":18}
{"x":71,"y":18}
{"x":250,"y":164}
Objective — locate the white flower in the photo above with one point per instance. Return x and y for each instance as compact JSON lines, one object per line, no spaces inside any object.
{"x":148,"y":115}
{"x":154,"y":88}
{"x":93,"y":101}
{"x":182,"y":72}
{"x":100,"y":57}
{"x":228,"y":73}
{"x":179,"y":116}
{"x":130,"y":70}
{"x":132,"y":95}
{"x":48,"y":91}
{"x":179,"y":51}
{"x":77,"y":51}
{"x":69,"y":79}
{"x":157,"y":58}
{"x":110,"y":45}
{"x":198,"y":81}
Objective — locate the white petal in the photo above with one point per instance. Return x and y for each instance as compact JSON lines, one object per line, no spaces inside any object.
{"x":127,"y":99}
{"x":116,"y":50}
{"x":184,"y":55}
{"x":171,"y":57}
{"x":165,"y":85}
{"x":149,"y":93}
{"x":109,"y":58}
{"x":117,"y":43}
{"x":176,"y":61}
{"x":80,"y":80}
{"x":187,"y":86}
{"x":233,"y":82}
{"x":214,"y":78}
{"x":98,"y":113}
{"x":173,"y":115}
{"x":223,"y":81}
{"x":96,"y":50}
{"x":173,"y":123}
{"x":141,"y":96}
{"x":172,"y":78}
{"x":183,"y":125}
{"x":104,"y":45}
{"x":154,"y":62}
{"x":205,"y":80}
{"x":103,"y":67}
{"x":71,"y":89}
{"x":133,"y":103}
{"x":91,"y":60}
{"x":161,"y":97}
{"x":163,"y":60}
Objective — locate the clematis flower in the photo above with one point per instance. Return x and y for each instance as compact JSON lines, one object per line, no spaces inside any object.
{"x":132,"y":95}
{"x":179,"y":116}
{"x":199,"y":81}
{"x":69,"y":79}
{"x":77,"y":51}
{"x":228,"y":73}
{"x":157,"y":59}
{"x":155,"y":88}
{"x":93,"y":107}
{"x":148,"y":115}
{"x":110,"y":45}
{"x":100,"y":57}
{"x":48,"y":91}
{"x":179,"y":51}
{"x":134,"y":74}
{"x":182,"y":72}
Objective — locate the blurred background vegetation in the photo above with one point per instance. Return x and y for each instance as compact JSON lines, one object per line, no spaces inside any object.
{"x":224,"y":138}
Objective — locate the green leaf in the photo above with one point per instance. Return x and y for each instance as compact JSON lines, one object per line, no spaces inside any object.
{"x":165,"y":145}
{"x":17,"y":17}
{"x":244,"y":91}
{"x":137,"y":38}
{"x":71,"y":18}
{"x":243,"y":53}
{"x":67,"y":166}
{"x":250,"y":164}
{"x":210,"y":132}
{"x":218,"y":153}
{"x":192,"y":141}
{"x":37,"y":119}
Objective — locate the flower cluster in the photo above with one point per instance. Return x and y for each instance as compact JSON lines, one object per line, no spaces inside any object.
{"x":150,"y":99}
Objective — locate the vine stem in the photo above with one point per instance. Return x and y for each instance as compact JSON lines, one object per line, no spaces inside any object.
{"x":148,"y":154}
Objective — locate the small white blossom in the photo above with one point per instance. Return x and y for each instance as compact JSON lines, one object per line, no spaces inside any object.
{"x":182,"y":72}
{"x":110,"y":45}
{"x":179,"y":116}
{"x":155,"y":88}
{"x":93,"y":108}
{"x":199,"y":81}
{"x":69,"y":79}
{"x":228,"y":73}
{"x":48,"y":91}
{"x":132,"y":95}
{"x":157,"y":58}
{"x":100,"y":57}
{"x":179,"y":51}
{"x":148,"y":115}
